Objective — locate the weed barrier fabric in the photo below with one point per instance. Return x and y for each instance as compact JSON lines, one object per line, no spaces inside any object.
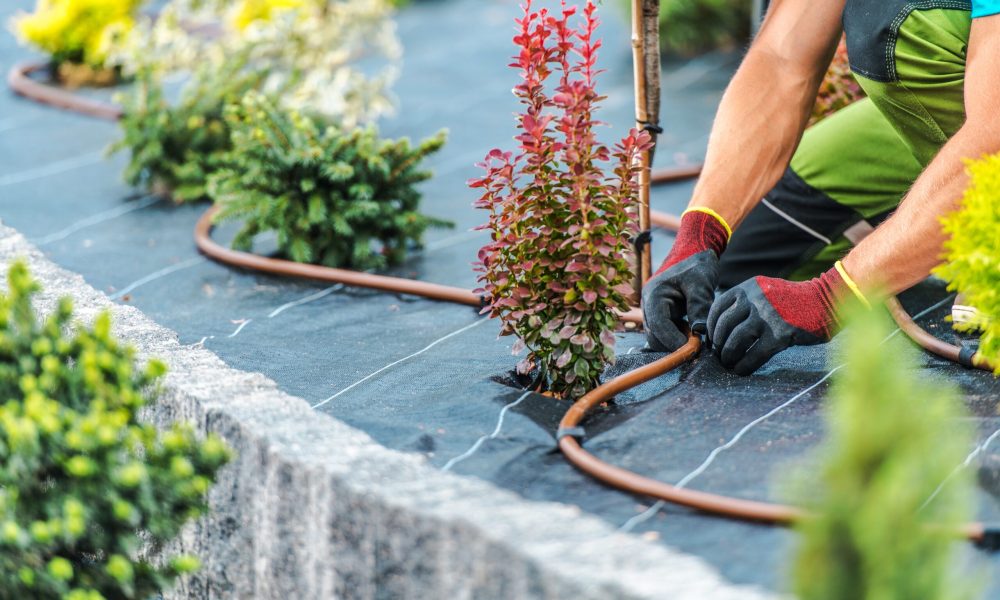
{"x":426,"y":377}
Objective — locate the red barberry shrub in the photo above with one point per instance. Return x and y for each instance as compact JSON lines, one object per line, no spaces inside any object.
{"x":557,"y":269}
{"x":839,"y":88}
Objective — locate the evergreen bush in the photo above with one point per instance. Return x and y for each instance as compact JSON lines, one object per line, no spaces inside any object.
{"x":557,"y":268}
{"x":335,"y":197}
{"x":173,"y":148}
{"x":84,"y":484}
{"x":972,"y":254}
{"x":886,"y":512}
{"x":79,"y":36}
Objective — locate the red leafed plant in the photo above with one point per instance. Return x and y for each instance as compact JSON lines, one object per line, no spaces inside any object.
{"x":557,"y":267}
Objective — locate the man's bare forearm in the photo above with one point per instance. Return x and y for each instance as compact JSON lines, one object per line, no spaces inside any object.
{"x":766,"y":107}
{"x":904,"y":249}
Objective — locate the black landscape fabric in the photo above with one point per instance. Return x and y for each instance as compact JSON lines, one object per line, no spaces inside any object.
{"x":422,"y":376}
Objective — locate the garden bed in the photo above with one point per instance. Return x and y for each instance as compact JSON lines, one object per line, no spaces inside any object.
{"x":418,"y":376}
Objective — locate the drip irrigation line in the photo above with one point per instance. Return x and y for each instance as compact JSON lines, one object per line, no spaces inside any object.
{"x":288,"y":268}
{"x":684,"y":481}
{"x":20,"y":81}
{"x":570,"y":432}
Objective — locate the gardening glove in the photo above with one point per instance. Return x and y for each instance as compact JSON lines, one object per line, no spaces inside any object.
{"x":762,"y":316}
{"x":684,"y":285}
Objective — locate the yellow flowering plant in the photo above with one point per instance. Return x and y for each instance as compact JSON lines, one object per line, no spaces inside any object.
{"x":972,"y":253}
{"x":310,"y":50}
{"x":78,"y":32}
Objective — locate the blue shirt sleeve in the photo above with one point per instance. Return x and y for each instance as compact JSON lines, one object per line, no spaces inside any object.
{"x":984,"y":8}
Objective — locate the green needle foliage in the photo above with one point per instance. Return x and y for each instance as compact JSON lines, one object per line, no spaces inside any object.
{"x":174,"y":148}
{"x":333,"y":197}
{"x":882,"y":525}
{"x":972,"y":254}
{"x":83,"y":484}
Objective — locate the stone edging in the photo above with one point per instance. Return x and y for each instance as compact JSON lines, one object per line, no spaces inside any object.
{"x":313,"y":508}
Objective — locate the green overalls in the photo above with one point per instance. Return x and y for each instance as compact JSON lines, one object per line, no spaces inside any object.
{"x":852,"y":169}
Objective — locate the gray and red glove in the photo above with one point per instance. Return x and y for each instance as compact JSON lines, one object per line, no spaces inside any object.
{"x":684,"y":285}
{"x":763,"y":316}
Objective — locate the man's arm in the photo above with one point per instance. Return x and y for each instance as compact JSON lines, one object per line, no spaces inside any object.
{"x":905,"y":248}
{"x":767,"y":105}
{"x":754,"y":136}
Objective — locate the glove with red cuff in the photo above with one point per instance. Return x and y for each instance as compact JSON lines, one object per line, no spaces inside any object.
{"x":763,"y":316}
{"x":684,"y":285}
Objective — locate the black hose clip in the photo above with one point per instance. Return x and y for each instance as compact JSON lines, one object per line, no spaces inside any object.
{"x":651,"y":127}
{"x":966,"y":357}
{"x":641,"y":240}
{"x":577,"y":433}
{"x":990,"y":541}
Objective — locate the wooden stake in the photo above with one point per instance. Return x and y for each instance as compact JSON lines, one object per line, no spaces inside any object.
{"x":646,"y":64}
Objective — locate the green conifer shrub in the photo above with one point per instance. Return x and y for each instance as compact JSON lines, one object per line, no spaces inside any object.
{"x":84,"y":484}
{"x":175,"y":147}
{"x":881,"y":523}
{"x":972,"y":254}
{"x":333,"y":197}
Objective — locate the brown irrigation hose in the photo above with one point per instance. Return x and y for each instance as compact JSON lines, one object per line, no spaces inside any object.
{"x":276,"y":266}
{"x":20,"y":81}
{"x":736,"y":508}
{"x":964,"y":356}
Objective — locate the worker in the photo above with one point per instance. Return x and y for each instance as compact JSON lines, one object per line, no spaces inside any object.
{"x":789,"y":223}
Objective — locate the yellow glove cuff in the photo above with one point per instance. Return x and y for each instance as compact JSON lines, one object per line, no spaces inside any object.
{"x":851,"y":284}
{"x":714,"y":215}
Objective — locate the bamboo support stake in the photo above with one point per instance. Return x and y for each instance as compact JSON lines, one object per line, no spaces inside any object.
{"x":646,"y":64}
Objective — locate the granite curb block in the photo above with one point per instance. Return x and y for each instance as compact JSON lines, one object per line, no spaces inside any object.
{"x":312,"y":508}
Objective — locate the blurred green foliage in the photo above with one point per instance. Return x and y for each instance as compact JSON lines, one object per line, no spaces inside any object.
{"x":693,"y":26}
{"x":885,"y":513}
{"x":83,"y":483}
{"x":173,"y":148}
{"x":972,"y":253}
{"x":334,"y":197}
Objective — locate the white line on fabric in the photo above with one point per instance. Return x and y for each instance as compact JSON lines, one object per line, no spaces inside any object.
{"x":157,"y":275}
{"x":60,"y":166}
{"x":402,"y":360}
{"x":240,"y":328}
{"x":652,"y":510}
{"x":797,"y":223}
{"x":306,"y":300}
{"x":981,"y":448}
{"x":479,"y":443}
{"x":96,"y":219}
